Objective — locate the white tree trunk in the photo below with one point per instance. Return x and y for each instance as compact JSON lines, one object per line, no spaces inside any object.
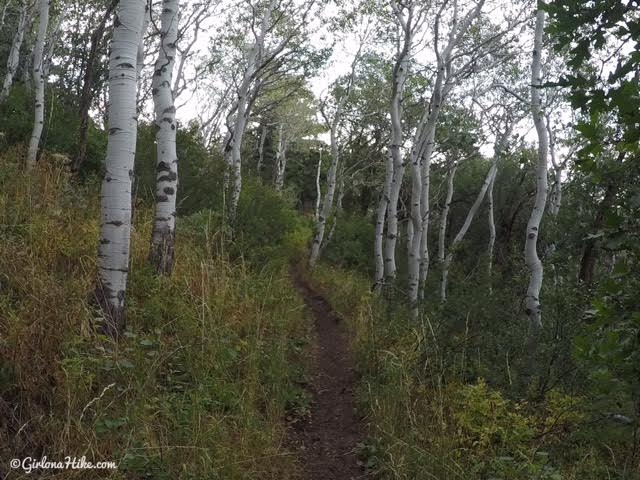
{"x":488,"y":181}
{"x":380,"y":222}
{"x":338,"y":210}
{"x":416,"y":230}
{"x":327,"y":201}
{"x":234,"y":154}
{"x":444,"y":217}
{"x":318,"y":190}
{"x":263,"y":138}
{"x":3,"y":15}
{"x":281,"y":160}
{"x":397,"y":138}
{"x":533,"y":307}
{"x":162,"y":253}
{"x":463,"y":230}
{"x":492,"y":234}
{"x":422,"y":150}
{"x":39,"y":80}
{"x":14,"y":52}
{"x":115,"y":228}
{"x":332,"y":175}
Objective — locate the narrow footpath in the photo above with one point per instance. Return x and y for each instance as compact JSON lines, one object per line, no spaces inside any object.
{"x":328,"y":438}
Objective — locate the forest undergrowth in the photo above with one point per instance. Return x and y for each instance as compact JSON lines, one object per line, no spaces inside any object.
{"x":455,"y":395}
{"x":215,"y":357}
{"x":198,"y":384}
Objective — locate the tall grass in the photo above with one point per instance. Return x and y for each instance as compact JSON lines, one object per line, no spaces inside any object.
{"x":445,"y":397}
{"x":198,"y":385}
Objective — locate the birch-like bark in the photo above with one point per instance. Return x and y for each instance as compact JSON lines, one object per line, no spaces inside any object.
{"x":162,"y":254}
{"x":425,"y":137}
{"x":421,"y":152}
{"x":39,"y":73}
{"x":3,"y":15}
{"x":316,"y":215}
{"x":400,"y":73}
{"x":338,"y":211}
{"x":115,"y":228}
{"x":381,"y":212}
{"x":444,"y":217}
{"x":327,"y":201}
{"x":532,"y":302}
{"x":281,"y":160}
{"x":263,"y":138}
{"x":489,"y":179}
{"x":492,"y":234}
{"x":234,"y":160}
{"x":415,"y":231}
{"x":14,"y":53}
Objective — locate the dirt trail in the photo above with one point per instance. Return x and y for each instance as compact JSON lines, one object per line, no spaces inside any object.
{"x":327,"y":440}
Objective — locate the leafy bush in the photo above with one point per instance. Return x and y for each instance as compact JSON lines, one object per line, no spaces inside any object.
{"x":352,"y":243}
{"x":266,"y":222}
{"x":60,"y":132}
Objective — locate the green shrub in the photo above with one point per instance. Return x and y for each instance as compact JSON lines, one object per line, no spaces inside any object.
{"x":352,"y":243}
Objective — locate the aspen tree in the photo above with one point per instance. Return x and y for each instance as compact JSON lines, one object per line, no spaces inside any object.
{"x":501,"y":143}
{"x":14,"y":53}
{"x":407,"y":24}
{"x":332,"y":175}
{"x":532,"y":260}
{"x":39,"y":74}
{"x":163,"y":236}
{"x":115,"y":216}
{"x":281,"y":159}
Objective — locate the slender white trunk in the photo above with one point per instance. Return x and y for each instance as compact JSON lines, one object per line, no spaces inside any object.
{"x":425,"y":148}
{"x":318,"y":190}
{"x":444,"y":82}
{"x":281,"y":160}
{"x":39,"y":80}
{"x":327,"y":201}
{"x":3,"y":15}
{"x":444,"y":217}
{"x":234,"y":160}
{"x":53,"y":38}
{"x":492,"y":234}
{"x":533,"y":306}
{"x":463,"y":230}
{"x":263,"y":138}
{"x":416,"y":230}
{"x":336,"y":215}
{"x":163,"y":236}
{"x":397,"y":138}
{"x":380,"y":222}
{"x":14,"y":52}
{"x":488,"y":181}
{"x":115,"y":217}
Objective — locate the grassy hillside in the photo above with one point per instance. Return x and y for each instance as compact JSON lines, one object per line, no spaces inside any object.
{"x":210,"y":360}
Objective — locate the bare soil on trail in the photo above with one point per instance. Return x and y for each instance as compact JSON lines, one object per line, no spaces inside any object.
{"x":327,"y":439}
